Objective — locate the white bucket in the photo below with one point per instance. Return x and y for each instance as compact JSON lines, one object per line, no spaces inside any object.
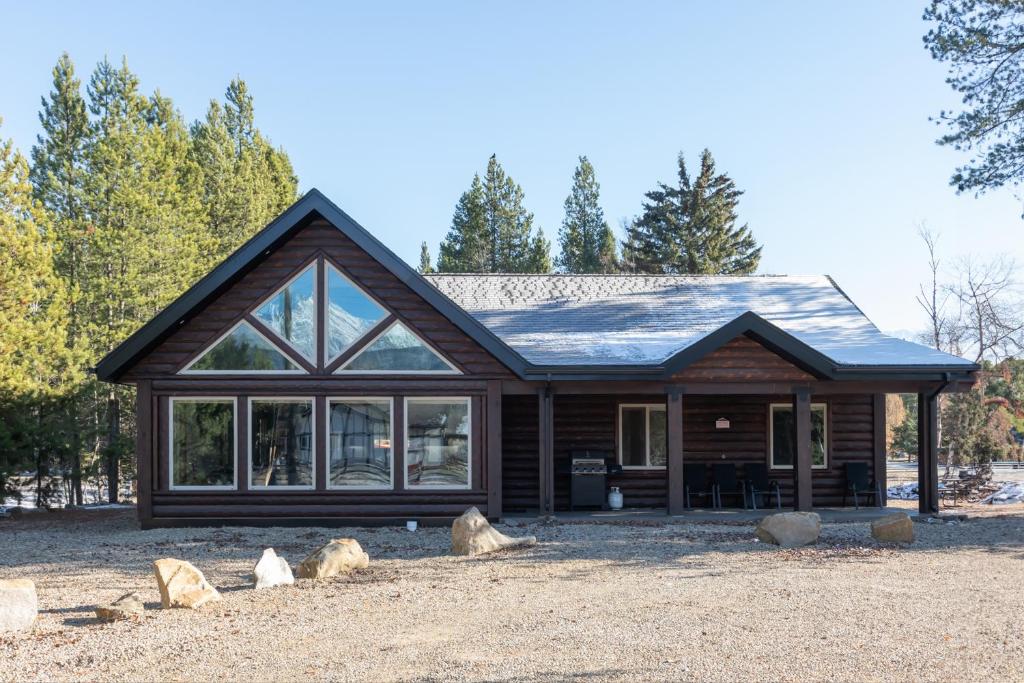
{"x":411,"y":525}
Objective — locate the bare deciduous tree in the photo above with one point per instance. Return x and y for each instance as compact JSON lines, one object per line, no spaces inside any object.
{"x":989,"y":319}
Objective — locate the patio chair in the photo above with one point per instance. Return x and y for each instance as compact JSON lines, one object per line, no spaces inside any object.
{"x":695,"y":483}
{"x":727,"y":482}
{"x":758,"y":484}
{"x":858,"y":483}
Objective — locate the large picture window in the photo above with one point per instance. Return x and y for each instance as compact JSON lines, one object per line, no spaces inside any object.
{"x":291,"y":313}
{"x":642,"y":436}
{"x":398,"y":350}
{"x":782,"y":429}
{"x":360,"y":443}
{"x":281,"y":443}
{"x":437,"y":442}
{"x":202,"y":443}
{"x":350,"y":313}
{"x":242,"y":350}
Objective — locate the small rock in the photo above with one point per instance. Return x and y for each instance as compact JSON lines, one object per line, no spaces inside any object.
{"x":472,"y":534}
{"x":272,"y":571}
{"x":894,"y":528}
{"x":790,"y":529}
{"x":18,"y":604}
{"x":182,"y":585}
{"x":128,"y":606}
{"x":340,"y":556}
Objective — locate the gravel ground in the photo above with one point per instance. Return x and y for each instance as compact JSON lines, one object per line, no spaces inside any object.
{"x":605,"y":601}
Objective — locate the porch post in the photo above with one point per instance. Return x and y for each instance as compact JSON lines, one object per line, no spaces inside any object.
{"x":546,"y":448}
{"x":802,"y":466}
{"x":927,"y":458}
{"x":144,"y":451}
{"x":674,"y":416}
{"x":878,"y":417}
{"x":493,"y":431}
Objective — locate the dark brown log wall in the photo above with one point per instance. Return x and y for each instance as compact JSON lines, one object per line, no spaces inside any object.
{"x":590,"y":422}
{"x":742,"y":359}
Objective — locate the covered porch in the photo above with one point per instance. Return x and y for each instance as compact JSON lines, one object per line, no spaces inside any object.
{"x":828,"y":425}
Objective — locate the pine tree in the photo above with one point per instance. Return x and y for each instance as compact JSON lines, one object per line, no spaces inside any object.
{"x":58,"y":179}
{"x":246,"y":181}
{"x":425,"y":267}
{"x":587,"y":243}
{"x":467,"y":247}
{"x":691,"y":227}
{"x":492,"y":232}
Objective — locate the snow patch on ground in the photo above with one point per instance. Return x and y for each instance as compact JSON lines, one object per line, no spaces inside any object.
{"x":1011,"y":492}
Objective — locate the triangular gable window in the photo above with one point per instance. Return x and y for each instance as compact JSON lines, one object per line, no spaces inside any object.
{"x":398,"y":350}
{"x":291,"y":313}
{"x":350,"y":313}
{"x":242,"y":350}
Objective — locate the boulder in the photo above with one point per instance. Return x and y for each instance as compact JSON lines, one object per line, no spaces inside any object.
{"x":18,"y":604}
{"x":790,"y":529}
{"x":182,"y":585}
{"x":472,"y":534}
{"x":272,"y":571}
{"x":340,"y":556}
{"x":128,"y":606}
{"x":894,"y":528}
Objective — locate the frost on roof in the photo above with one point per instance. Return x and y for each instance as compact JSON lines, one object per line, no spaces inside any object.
{"x":645,"y":320}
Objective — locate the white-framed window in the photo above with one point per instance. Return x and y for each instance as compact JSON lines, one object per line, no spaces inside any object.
{"x":282,"y":443}
{"x":291,"y":312}
{"x":782,"y":432}
{"x":397,"y":351}
{"x":438,"y":443}
{"x":350,"y":313}
{"x":643,"y":436}
{"x":360,"y":443}
{"x":242,"y":350}
{"x":202,"y":443}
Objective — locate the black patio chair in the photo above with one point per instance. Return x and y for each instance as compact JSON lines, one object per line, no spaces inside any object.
{"x":758,"y":484}
{"x":695,"y":483}
{"x":727,"y":482}
{"x":859,"y":483}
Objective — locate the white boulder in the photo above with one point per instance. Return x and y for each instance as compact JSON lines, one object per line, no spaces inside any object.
{"x":182,"y":585}
{"x":790,"y":529}
{"x":472,"y":534}
{"x":18,"y":604}
{"x":340,"y":556}
{"x":272,"y":571}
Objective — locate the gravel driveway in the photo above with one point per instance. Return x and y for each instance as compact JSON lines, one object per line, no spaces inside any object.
{"x":603,"y":601}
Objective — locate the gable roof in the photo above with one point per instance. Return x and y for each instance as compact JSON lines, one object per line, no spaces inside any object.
{"x":595,"y":326}
{"x":311,"y":206}
{"x":668,"y":321}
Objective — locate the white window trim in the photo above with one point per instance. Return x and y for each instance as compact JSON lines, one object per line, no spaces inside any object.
{"x":327,"y":304}
{"x":316,"y":317}
{"x":312,"y":445}
{"x":771,"y":435}
{"x":452,"y":370}
{"x":437,"y":400}
{"x":187,"y":370}
{"x":648,"y":407}
{"x":170,"y":443}
{"x":391,"y":435}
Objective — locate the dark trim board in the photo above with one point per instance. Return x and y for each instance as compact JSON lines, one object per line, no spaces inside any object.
{"x":328,"y":522}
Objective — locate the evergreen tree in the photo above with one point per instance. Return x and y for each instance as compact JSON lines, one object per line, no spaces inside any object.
{"x":587,"y":243}
{"x":246,"y":181}
{"x":691,"y":227}
{"x":37,"y":368}
{"x":58,"y":179}
{"x":425,"y":267}
{"x":492,"y":232}
{"x":467,"y":247}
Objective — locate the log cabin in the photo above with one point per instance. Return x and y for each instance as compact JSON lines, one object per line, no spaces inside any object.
{"x":313,"y":377}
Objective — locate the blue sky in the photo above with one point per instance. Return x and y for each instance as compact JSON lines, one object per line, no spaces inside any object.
{"x":819,"y":111}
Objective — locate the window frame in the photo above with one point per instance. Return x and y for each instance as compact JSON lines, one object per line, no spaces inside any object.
{"x":233,"y":400}
{"x":647,"y":434}
{"x":312,"y":445}
{"x":823,"y":405}
{"x":316,"y":312}
{"x":341,"y":369}
{"x":391,"y":435}
{"x":359,"y":342}
{"x":437,"y":400}
{"x":187,"y":370}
